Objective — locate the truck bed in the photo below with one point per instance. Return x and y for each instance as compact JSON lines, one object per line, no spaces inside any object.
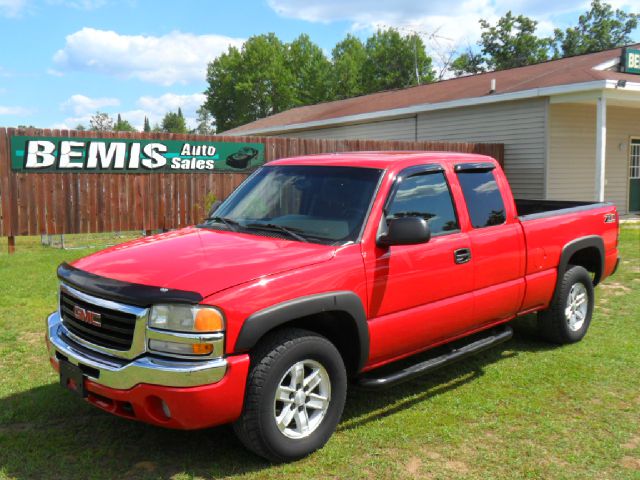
{"x":532,"y":209}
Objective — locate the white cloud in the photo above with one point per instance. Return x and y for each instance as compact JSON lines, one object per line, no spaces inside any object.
{"x":12,"y":8}
{"x":171,"y":102}
{"x":20,"y":111}
{"x":173,"y":58}
{"x":156,"y":107}
{"x":15,"y":8}
{"x":79,"y":4}
{"x":453,"y":22}
{"x":81,"y":104}
{"x":153,"y":108}
{"x":54,"y":73}
{"x":487,"y":187}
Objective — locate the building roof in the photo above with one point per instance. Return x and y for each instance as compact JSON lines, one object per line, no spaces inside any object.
{"x":565,"y":71}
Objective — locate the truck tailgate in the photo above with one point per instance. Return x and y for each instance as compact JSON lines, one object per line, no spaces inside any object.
{"x":548,"y":233}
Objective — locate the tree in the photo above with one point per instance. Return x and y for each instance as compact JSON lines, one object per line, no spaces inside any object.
{"x":147,"y":127}
{"x":601,"y":28}
{"x":512,"y":42}
{"x":205,"y":121}
{"x":222,"y":99}
{"x":101,"y":122}
{"x":250,"y":83}
{"x":174,"y":123}
{"x":348,"y":58}
{"x":80,"y":127}
{"x":311,"y":71}
{"x":123,"y":126}
{"x":468,"y":63}
{"x":395,"y":61}
{"x":267,"y":76}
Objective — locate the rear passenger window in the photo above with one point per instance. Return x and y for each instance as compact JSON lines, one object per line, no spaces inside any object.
{"x":483,"y":198}
{"x":427,"y":196}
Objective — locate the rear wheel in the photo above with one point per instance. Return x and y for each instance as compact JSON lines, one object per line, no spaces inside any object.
{"x":569,"y":315}
{"x":295,"y":395}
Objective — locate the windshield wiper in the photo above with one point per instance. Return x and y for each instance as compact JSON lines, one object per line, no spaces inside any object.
{"x":228,"y":222}
{"x":292,"y":232}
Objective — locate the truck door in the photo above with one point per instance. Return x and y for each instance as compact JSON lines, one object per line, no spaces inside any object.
{"x":497,"y":243}
{"x":419,"y":294}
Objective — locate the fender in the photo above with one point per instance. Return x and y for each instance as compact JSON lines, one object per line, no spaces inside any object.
{"x":266,"y":320}
{"x":591,"y":241}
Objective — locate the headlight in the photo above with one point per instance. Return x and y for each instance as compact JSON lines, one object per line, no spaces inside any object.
{"x":186,"y":318}
{"x":186,"y":330}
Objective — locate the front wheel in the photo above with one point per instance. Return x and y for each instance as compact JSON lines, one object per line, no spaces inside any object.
{"x":295,"y":395}
{"x":569,"y":315}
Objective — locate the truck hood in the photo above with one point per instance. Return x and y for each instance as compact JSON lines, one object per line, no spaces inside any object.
{"x":201,"y":260}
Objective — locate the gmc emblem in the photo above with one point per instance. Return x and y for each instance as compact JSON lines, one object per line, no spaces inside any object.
{"x":87,"y":316}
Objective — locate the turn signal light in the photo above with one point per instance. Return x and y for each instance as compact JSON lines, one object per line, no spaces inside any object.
{"x":202,"y":348}
{"x":207,"y":320}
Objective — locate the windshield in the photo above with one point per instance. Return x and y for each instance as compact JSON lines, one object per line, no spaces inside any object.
{"x":320,"y":204}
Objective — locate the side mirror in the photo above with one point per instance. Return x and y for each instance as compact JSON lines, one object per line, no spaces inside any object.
{"x":405,"y":231}
{"x":214,"y":207}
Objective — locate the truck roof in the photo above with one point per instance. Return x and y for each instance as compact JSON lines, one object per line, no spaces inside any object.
{"x":383,"y":160}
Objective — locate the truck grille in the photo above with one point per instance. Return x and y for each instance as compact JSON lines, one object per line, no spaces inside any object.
{"x":114,"y":329}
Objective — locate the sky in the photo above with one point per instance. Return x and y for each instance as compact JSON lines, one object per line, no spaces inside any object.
{"x":62,"y":60}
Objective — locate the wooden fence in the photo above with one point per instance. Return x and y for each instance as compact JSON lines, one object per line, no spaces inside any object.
{"x":57,"y":203}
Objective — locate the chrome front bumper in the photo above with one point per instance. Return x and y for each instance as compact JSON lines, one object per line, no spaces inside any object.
{"x":122,"y":373}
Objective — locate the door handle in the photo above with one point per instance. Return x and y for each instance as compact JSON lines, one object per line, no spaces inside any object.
{"x":462,"y":255}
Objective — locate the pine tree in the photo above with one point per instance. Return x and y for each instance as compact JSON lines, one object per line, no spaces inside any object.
{"x":147,"y":125}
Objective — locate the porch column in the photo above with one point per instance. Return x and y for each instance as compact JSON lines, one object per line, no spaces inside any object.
{"x":601,"y":146}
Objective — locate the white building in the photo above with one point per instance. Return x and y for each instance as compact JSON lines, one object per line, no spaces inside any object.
{"x":571,"y":127}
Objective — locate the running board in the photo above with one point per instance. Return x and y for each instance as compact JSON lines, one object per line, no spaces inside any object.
{"x":496,"y":337}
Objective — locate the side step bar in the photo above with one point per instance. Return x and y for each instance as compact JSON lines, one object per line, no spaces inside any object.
{"x":496,"y":337}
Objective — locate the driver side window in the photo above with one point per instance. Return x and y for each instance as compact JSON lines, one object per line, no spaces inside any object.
{"x":425,"y":195}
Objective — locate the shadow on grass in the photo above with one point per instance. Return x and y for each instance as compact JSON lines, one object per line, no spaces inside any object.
{"x":47,"y":433}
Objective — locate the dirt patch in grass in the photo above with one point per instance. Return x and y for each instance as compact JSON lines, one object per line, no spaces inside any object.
{"x":32,"y":338}
{"x":631,"y":463}
{"x":616,"y":288}
{"x":413,"y":466}
{"x":140,"y":469}
{"x":431,"y":455}
{"x":457,"y":466}
{"x":632,"y":444}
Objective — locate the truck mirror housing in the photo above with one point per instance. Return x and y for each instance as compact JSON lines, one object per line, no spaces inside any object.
{"x":405,"y":231}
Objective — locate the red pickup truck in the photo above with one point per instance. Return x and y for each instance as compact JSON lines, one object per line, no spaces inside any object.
{"x":315,"y":271}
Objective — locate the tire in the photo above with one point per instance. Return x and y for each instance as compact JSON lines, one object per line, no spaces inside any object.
{"x":275,"y":368}
{"x":568,"y":318}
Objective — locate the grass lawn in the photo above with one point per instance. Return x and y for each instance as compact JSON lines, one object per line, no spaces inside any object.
{"x":522,"y":410}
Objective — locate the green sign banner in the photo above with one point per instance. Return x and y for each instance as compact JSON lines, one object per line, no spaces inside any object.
{"x":631,"y":59}
{"x":116,"y":155}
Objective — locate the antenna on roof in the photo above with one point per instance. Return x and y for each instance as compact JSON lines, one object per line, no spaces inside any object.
{"x":433,"y":37}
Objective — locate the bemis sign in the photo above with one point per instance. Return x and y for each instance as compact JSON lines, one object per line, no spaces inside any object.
{"x":631,"y":60}
{"x":99,"y":155}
